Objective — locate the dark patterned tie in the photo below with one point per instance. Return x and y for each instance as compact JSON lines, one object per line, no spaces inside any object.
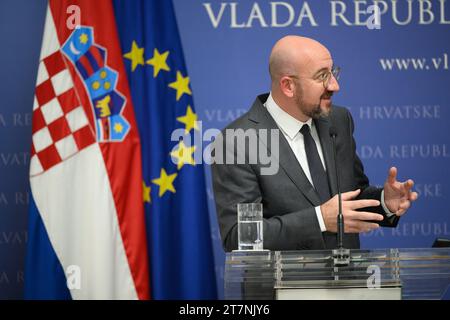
{"x":318,"y":174}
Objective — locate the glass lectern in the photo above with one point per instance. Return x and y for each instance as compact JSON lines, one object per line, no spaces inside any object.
{"x":370,"y":274}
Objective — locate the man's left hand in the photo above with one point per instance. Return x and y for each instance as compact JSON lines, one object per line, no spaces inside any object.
{"x":398,"y":195}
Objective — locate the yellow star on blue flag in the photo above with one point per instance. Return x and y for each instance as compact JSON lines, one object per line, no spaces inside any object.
{"x":177,"y":217}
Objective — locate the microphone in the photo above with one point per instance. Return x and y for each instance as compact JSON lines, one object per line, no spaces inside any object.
{"x":341,"y":255}
{"x":340,"y":216}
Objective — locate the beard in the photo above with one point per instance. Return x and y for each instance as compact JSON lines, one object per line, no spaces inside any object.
{"x":313,"y":111}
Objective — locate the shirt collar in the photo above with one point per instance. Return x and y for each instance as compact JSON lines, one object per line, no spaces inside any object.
{"x":287,"y":123}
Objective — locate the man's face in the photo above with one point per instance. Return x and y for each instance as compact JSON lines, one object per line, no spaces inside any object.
{"x":311,"y":96}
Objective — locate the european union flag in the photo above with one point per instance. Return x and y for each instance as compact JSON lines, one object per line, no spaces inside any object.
{"x":179,"y":236}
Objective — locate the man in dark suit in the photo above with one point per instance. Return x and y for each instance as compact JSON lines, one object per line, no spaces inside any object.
{"x":299,"y":199}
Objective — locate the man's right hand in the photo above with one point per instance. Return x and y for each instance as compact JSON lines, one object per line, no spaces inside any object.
{"x":354,"y":221}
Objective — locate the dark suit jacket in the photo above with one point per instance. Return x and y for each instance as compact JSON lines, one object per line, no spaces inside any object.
{"x":290,"y":221}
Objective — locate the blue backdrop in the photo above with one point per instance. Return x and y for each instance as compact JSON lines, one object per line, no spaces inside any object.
{"x":395,"y":80}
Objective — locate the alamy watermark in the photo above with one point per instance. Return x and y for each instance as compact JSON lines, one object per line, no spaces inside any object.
{"x":73,"y":277}
{"x":374,"y":280}
{"x":232,"y":146}
{"x":374,"y":20}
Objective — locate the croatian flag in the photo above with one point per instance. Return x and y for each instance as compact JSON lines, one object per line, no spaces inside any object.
{"x":87,"y":237}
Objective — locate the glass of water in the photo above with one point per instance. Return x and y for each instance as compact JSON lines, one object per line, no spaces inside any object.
{"x":250,"y":226}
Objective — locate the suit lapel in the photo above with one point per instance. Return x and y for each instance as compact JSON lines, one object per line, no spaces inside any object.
{"x":287,"y":160}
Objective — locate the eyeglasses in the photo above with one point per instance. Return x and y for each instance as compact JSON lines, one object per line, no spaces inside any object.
{"x":324,"y":76}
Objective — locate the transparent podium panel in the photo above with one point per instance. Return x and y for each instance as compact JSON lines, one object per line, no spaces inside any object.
{"x":369,"y":274}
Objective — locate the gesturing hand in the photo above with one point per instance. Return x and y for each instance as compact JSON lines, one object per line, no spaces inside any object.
{"x":398,"y":195}
{"x":354,"y":221}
